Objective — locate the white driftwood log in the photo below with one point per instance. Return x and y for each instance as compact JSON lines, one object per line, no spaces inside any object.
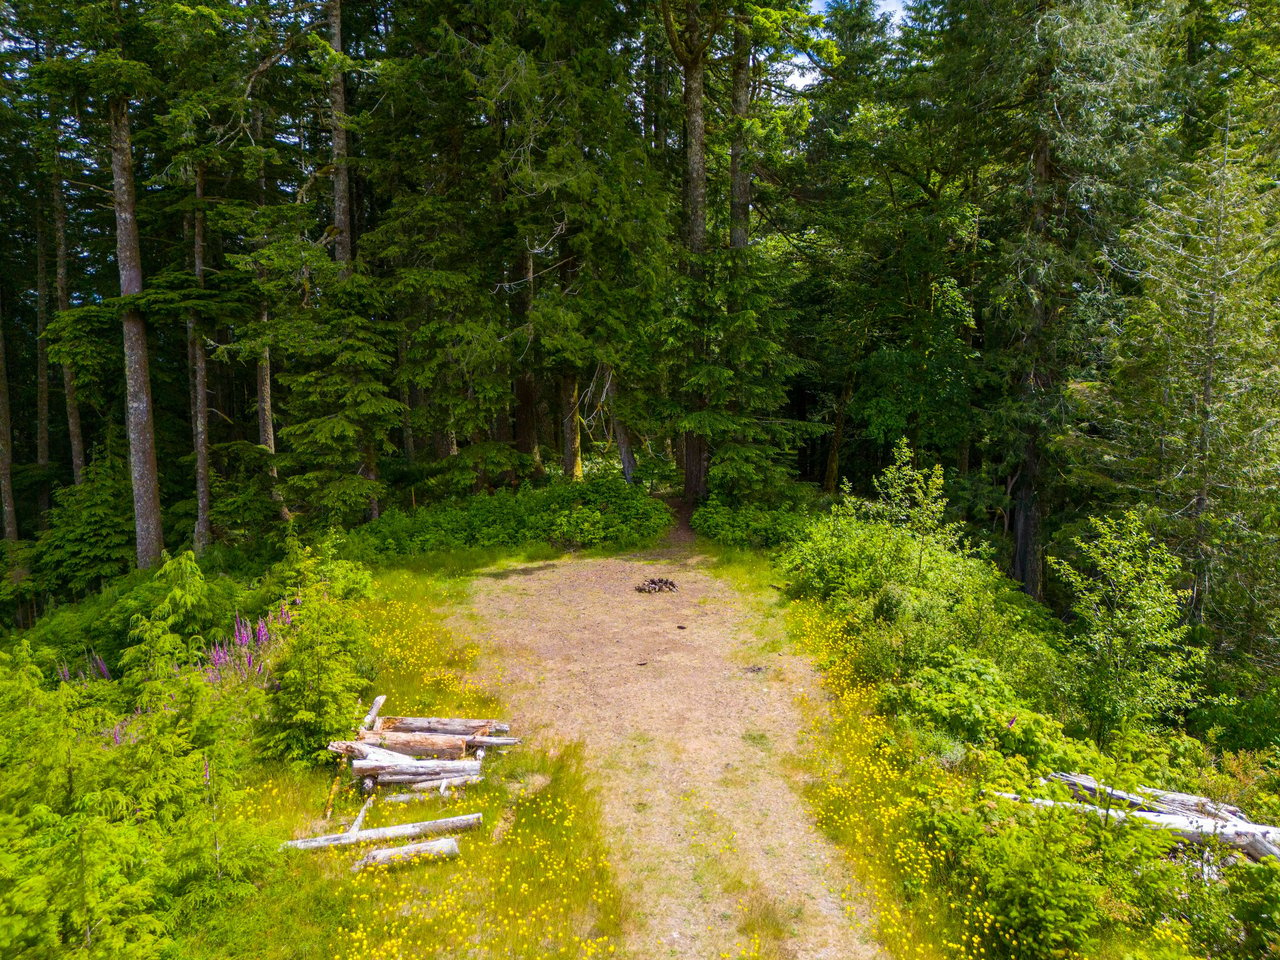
{"x":366,"y":751}
{"x":449,"y":725}
{"x":402,"y":831}
{"x":431,"y":850}
{"x":359,"y":820}
{"x":1240,"y":834}
{"x":441,"y":784}
{"x":437,"y":745}
{"x":372,"y":715}
{"x":402,"y":766}
{"x":1257,"y":847}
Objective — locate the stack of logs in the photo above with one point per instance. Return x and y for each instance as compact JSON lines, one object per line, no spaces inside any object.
{"x":1191,"y":818}
{"x":421,"y":755}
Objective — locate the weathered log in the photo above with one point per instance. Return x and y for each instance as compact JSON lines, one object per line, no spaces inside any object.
{"x":372,"y":715}
{"x":359,"y":820}
{"x":416,"y":769}
{"x":431,"y":850}
{"x":366,"y":751}
{"x":1168,"y":802}
{"x":401,"y":831}
{"x":437,"y":745}
{"x":442,"y":784}
{"x":1248,"y":837}
{"x":449,"y":725}
{"x":492,"y":741}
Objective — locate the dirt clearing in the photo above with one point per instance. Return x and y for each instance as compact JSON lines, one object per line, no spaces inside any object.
{"x":690,"y":726}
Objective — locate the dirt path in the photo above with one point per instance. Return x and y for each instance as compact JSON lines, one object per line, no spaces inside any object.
{"x":689,"y":725}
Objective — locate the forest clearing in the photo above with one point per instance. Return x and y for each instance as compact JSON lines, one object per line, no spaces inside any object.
{"x":639,"y":478}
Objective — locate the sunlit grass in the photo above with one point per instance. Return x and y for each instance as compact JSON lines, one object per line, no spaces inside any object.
{"x":534,"y":881}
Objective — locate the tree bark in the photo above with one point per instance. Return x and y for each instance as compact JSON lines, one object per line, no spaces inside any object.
{"x":342,"y":242}
{"x":416,"y":769}
{"x":42,"y":366}
{"x":403,"y":831}
{"x":148,"y":524}
{"x":200,"y":383}
{"x":690,"y":44}
{"x":430,"y":850}
{"x":739,"y":167}
{"x":621,"y":435}
{"x":446,"y":725}
{"x":62,"y":285}
{"x":572,"y":449}
{"x":832,"y":474}
{"x":7,"y":507}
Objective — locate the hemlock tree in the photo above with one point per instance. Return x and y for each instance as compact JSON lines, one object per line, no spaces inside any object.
{"x":1186,"y":419}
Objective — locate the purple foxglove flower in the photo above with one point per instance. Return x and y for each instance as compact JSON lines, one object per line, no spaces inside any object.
{"x":263,"y":633}
{"x":101,"y":666}
{"x":64,"y":673}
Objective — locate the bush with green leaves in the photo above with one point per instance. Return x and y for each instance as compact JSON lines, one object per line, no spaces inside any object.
{"x":602,"y":511}
{"x":749,"y":524}
{"x":1128,"y":643}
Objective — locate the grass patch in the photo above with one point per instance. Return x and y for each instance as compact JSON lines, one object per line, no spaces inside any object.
{"x":534,"y":882}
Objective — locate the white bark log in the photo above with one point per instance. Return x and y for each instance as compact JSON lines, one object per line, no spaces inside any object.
{"x":372,"y":715}
{"x":359,"y":820}
{"x":1246,"y":836}
{"x":442,"y":784}
{"x":451,"y":725}
{"x":431,"y":850}
{"x":366,"y":751}
{"x":401,"y":831}
{"x":400,"y":766}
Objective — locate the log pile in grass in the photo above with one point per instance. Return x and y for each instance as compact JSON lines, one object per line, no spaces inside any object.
{"x":421,"y":755}
{"x":1191,"y":818}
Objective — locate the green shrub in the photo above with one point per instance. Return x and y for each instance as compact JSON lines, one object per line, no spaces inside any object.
{"x":969,"y":699}
{"x":748,"y":524}
{"x":910,"y":598}
{"x":602,"y":511}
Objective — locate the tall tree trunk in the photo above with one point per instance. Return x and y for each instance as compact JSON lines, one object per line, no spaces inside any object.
{"x":342,"y":241}
{"x":527,"y":420}
{"x":42,"y":366}
{"x":696,"y":451}
{"x":6,"y":447}
{"x":831,"y":476}
{"x":570,"y":419}
{"x":1027,"y":558}
{"x":621,"y":435}
{"x":739,"y":167}
{"x":406,"y":398}
{"x":148,"y":524}
{"x":690,"y":43}
{"x":526,"y":387}
{"x":446,"y":442}
{"x":200,"y":383}
{"x":62,"y":285}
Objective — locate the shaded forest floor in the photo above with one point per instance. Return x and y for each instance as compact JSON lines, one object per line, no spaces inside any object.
{"x":692,"y":711}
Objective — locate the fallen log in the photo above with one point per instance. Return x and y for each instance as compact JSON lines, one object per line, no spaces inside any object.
{"x":447,"y":725}
{"x":1247,"y":837}
{"x":1174,"y":804}
{"x":359,"y":820}
{"x":402,"y":766}
{"x":441,"y":784}
{"x":492,"y":741}
{"x":401,"y":831}
{"x":438,"y":745}
{"x":366,"y":751}
{"x":372,"y":715}
{"x":431,"y":850}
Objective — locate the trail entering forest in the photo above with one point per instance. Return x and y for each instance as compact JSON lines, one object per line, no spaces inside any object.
{"x":690,"y":723}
